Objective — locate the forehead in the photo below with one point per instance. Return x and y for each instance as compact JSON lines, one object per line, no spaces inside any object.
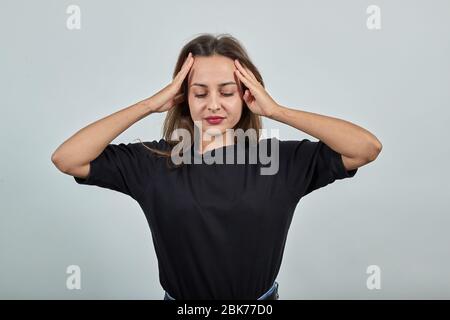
{"x":212,"y":70}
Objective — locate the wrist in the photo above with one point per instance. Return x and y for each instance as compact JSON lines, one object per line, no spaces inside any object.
{"x":276,"y":112}
{"x":147,"y":106}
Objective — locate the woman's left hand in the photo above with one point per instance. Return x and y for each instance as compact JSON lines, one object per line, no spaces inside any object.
{"x":256,"y":96}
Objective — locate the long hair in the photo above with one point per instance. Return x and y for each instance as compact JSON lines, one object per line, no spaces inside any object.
{"x":179,"y":116}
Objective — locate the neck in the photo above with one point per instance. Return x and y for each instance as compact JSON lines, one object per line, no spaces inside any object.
{"x":213,"y":142}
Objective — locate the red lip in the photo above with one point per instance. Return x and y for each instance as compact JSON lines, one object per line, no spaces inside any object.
{"x":214,"y":118}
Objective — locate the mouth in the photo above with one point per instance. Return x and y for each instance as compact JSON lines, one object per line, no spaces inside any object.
{"x":214,"y":119}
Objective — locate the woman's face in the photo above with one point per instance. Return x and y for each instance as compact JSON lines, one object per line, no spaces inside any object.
{"x":214,"y":91}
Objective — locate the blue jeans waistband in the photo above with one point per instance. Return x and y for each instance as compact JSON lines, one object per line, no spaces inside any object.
{"x":268,"y":293}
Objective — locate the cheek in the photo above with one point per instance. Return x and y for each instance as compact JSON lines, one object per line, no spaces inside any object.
{"x":194,"y":108}
{"x":235,"y":109}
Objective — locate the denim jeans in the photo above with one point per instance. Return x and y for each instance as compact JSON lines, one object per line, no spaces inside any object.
{"x":271,"y":294}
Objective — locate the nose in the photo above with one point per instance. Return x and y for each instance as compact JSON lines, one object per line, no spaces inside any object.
{"x":213,"y":108}
{"x":213,"y":105}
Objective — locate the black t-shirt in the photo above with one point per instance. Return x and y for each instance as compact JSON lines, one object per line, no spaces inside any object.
{"x":219,"y":230}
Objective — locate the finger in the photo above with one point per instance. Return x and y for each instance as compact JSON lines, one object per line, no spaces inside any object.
{"x":245,"y":71}
{"x":251,"y":74}
{"x":187,"y":63}
{"x":245,"y":80}
{"x":241,"y":69}
{"x":247,"y":95}
{"x":185,"y":68}
{"x":188,"y":60}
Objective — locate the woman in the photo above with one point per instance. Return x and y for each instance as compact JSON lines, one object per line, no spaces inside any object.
{"x":219,"y":230}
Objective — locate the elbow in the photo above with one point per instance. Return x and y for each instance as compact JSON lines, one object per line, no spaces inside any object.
{"x":58,"y":163}
{"x":54,"y":158}
{"x":374,"y":150}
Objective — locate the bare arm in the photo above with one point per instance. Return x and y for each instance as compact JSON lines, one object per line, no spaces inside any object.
{"x":74,"y":155}
{"x":356,"y":145}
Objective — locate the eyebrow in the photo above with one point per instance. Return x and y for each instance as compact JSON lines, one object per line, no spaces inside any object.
{"x":220,"y":85}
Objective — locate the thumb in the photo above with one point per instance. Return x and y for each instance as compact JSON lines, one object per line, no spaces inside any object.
{"x":246,"y":95}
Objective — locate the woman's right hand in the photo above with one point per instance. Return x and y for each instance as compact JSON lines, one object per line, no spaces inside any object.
{"x":170,"y":95}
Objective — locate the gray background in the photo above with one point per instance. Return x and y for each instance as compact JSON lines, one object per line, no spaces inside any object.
{"x":315,"y":56}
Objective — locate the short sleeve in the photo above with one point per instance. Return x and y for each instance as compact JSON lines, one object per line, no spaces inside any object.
{"x":125,"y":168}
{"x":311,"y":165}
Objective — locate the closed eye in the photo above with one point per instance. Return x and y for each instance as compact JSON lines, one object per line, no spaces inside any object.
{"x":224,"y":94}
